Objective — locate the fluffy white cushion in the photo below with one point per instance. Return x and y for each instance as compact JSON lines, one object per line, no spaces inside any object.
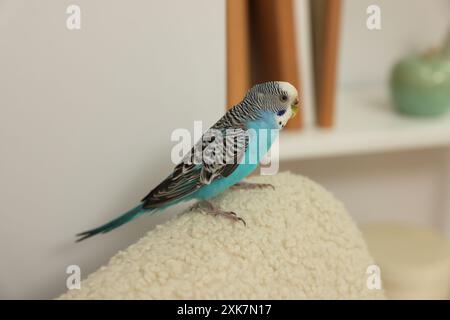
{"x":299,"y":243}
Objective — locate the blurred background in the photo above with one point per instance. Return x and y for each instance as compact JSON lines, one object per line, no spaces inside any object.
{"x":86,"y":117}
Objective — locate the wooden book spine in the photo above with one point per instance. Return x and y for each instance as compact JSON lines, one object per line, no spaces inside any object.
{"x":238,"y":50}
{"x":325,"y":24}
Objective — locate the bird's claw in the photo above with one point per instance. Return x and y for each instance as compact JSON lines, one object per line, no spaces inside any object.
{"x":215,"y":211}
{"x":265,"y":185}
{"x":196,"y":206}
{"x":242,"y":220}
{"x":230,"y":215}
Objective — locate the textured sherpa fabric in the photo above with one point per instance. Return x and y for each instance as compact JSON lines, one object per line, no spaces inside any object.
{"x":299,"y":243}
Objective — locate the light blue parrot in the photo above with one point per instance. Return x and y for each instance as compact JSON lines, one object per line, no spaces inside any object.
{"x":235,"y":136}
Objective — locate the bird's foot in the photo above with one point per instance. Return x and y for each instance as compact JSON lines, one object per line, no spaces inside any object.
{"x":196,"y":206}
{"x":215,"y":211}
{"x":249,"y":185}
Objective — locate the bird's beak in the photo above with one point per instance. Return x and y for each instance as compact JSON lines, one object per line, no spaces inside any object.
{"x":294,"y":107}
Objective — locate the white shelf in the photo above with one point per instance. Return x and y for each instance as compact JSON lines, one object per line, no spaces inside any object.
{"x":365,"y":123}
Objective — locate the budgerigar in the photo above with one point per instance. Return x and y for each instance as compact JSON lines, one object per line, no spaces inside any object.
{"x":266,"y":106}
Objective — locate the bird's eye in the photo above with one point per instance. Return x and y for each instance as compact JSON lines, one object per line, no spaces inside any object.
{"x":281,"y":112}
{"x":284,"y":98}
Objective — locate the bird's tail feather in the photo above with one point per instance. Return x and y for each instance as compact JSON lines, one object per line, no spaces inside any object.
{"x":124,"y":218}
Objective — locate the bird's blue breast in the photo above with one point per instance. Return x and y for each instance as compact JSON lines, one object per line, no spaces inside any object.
{"x":262,"y":133}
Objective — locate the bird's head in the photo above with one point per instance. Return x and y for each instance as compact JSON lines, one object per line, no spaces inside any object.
{"x":278,"y":97}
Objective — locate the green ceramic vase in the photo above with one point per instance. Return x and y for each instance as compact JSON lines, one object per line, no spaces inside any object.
{"x":420,"y":85}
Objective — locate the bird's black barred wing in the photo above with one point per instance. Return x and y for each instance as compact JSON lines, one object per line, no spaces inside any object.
{"x":223,"y":153}
{"x":216,"y":155}
{"x":184,"y":180}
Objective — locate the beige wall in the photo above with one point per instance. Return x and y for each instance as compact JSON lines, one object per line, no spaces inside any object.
{"x":407,"y":26}
{"x":85,"y":123}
